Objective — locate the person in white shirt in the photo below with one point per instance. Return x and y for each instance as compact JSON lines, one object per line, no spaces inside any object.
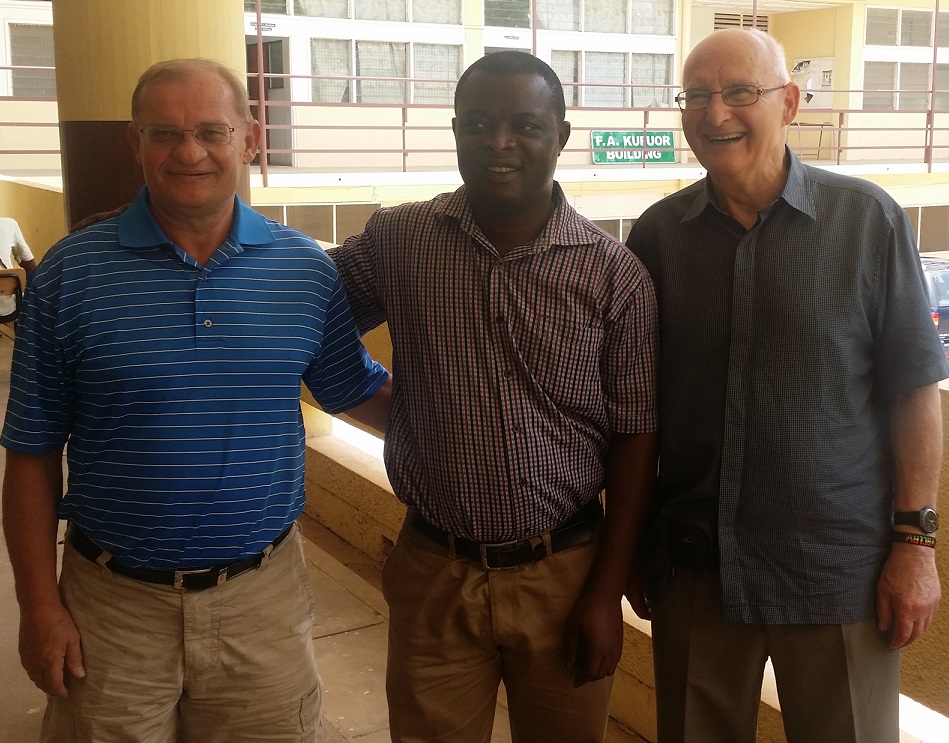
{"x":13,"y":245}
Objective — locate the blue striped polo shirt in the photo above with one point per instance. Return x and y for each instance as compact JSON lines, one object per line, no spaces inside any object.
{"x":177,"y":386}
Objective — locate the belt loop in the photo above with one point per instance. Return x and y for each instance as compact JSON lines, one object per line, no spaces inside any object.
{"x":103,"y":558}
{"x":265,"y":555}
{"x":548,"y":544}
{"x":451,"y":546}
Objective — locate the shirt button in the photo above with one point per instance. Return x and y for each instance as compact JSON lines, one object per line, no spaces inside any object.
{"x":208,"y":323}
{"x":501,"y":319}
{"x":524,"y":482}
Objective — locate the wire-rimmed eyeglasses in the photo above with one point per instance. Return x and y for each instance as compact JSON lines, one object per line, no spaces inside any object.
{"x":733,"y":95}
{"x":206,"y":135}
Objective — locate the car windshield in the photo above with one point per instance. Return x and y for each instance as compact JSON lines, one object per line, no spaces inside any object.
{"x":941,"y":282}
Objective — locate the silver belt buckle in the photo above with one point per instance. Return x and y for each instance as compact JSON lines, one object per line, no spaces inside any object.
{"x":180,"y":574}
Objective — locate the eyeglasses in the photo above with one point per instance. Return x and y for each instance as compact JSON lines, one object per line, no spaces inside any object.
{"x":206,"y":135}
{"x":733,"y":95}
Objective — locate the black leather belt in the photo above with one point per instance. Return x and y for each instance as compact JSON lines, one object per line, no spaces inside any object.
{"x":580,"y":529}
{"x":197,"y":579}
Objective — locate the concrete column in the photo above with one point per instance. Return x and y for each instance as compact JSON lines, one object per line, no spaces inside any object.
{"x":102,"y":46}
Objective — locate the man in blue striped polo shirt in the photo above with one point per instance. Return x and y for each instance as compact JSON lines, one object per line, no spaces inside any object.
{"x":164,"y":351}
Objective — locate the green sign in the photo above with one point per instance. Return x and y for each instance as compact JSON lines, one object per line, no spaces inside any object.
{"x":632,"y":146}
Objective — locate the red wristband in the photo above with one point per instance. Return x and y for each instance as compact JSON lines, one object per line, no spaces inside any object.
{"x":920,"y":540}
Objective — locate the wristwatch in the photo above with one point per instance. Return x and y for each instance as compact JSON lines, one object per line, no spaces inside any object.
{"x":926,"y":519}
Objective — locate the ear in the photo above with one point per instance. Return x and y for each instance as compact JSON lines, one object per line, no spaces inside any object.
{"x":134,"y":138}
{"x":792,"y":100}
{"x":563,"y":135}
{"x":454,"y":126}
{"x":251,"y":142}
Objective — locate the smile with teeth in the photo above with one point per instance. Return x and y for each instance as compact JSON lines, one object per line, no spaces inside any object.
{"x":501,"y":169}
{"x":726,"y":137}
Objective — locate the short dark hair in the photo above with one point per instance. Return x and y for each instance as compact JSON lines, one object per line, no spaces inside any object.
{"x":510,"y":62}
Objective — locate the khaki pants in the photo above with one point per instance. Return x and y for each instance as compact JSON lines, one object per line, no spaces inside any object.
{"x":231,"y":664}
{"x":836,"y":683}
{"x":456,"y":631}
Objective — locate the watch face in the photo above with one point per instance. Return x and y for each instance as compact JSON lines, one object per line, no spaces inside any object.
{"x":928,"y":520}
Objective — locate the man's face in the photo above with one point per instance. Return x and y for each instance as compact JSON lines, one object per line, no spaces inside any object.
{"x":735,"y":141}
{"x":508,"y":137}
{"x":185,"y":179}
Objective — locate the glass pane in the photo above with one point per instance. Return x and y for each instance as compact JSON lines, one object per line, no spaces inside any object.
{"x":331,"y":57}
{"x":604,"y":67}
{"x":567,"y":66}
{"x":914,"y":77}
{"x":605,"y":16}
{"x":879,"y":76}
{"x":507,"y":13}
{"x":651,"y":68}
{"x":881,"y":26}
{"x":32,"y":46}
{"x":916,"y":28}
{"x":322,"y":8}
{"x":266,"y":6}
{"x":652,"y":17}
{"x":558,"y":15}
{"x":381,"y":59}
{"x":436,"y":11}
{"x":436,"y":62}
{"x":943,"y":31}
{"x":942,"y":87}
{"x":380,"y":10}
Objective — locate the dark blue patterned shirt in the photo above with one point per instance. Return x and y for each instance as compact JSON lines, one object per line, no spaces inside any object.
{"x":781,"y":347}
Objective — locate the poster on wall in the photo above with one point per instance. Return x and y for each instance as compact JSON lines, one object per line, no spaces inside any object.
{"x":815,"y":78}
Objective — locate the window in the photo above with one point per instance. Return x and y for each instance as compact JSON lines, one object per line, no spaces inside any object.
{"x":331,"y":57}
{"x":604,"y":67}
{"x":567,"y":66}
{"x":652,"y":17}
{"x":646,"y":69}
{"x":914,"y":87}
{"x":740,"y":20}
{"x":436,"y":62}
{"x":322,"y":8}
{"x":605,"y":16}
{"x":916,"y":28}
{"x":942,"y":87}
{"x":436,"y":11}
{"x":507,"y":13}
{"x":266,"y":6}
{"x":879,"y":76}
{"x":881,"y":26}
{"x":943,"y":31}
{"x":381,"y":59}
{"x":380,"y":10}
{"x":32,"y":46}
{"x":558,"y":15}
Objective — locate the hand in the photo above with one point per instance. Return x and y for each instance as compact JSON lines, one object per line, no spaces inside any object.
{"x":594,"y":638}
{"x":49,"y":646}
{"x":636,"y":592}
{"x":908,"y":593}
{"x":97,"y":217}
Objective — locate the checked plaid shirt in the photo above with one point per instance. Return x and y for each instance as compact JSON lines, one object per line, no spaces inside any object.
{"x":509,"y":374}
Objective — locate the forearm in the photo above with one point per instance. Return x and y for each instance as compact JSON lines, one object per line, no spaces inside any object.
{"x":916,"y":436}
{"x":32,"y":487}
{"x":374,"y":412}
{"x":630,"y":479}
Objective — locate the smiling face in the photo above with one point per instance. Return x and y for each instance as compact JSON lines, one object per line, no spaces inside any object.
{"x":508,"y":135}
{"x":185,"y":180}
{"x":739,"y":142}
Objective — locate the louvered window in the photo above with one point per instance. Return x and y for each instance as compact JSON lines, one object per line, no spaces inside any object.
{"x":741,"y":20}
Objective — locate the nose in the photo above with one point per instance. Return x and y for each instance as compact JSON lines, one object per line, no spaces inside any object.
{"x":500,"y":138}
{"x":717,"y":111}
{"x":188,"y":148}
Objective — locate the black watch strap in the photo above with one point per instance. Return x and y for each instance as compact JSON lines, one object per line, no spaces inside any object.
{"x":926,"y":519}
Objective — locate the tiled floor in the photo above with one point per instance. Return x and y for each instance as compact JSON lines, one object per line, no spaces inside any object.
{"x":350,"y":638}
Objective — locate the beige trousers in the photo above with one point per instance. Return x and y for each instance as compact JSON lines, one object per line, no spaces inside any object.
{"x":232,"y":664}
{"x":836,"y":683}
{"x":456,"y":631}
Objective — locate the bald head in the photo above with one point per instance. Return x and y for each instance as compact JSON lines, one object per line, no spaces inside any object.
{"x":755,"y":51}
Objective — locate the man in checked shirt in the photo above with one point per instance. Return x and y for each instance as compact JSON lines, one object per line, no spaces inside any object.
{"x":524,"y":360}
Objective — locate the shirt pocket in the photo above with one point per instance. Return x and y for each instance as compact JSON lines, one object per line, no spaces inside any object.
{"x":565,"y":363}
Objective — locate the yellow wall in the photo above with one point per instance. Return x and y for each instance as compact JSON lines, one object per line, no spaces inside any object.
{"x":38,"y":211}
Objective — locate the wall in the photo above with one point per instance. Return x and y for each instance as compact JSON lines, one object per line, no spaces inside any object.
{"x":39,"y":211}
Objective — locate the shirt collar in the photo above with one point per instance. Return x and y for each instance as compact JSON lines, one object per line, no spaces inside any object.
{"x":138,"y":228}
{"x":795,"y":192}
{"x":563,"y":228}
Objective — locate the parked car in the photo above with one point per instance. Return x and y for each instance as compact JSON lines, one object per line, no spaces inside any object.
{"x":936,"y":271}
